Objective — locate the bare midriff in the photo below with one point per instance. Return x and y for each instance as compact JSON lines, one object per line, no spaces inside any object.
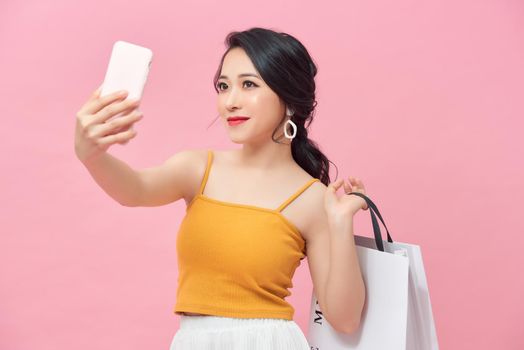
{"x":192,"y":314}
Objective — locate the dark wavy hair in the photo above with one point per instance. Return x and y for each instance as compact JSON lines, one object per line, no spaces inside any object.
{"x":287,"y":68}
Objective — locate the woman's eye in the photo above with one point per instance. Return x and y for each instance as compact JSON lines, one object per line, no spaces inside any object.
{"x":247,"y":81}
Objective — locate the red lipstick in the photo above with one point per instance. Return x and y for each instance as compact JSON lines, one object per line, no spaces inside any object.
{"x":236,"y":120}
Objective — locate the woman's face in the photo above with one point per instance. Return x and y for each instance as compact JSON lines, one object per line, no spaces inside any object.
{"x":247,"y":96}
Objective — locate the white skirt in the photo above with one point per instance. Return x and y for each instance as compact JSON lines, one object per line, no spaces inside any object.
{"x":226,"y":333}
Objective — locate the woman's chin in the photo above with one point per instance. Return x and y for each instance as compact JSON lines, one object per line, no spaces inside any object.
{"x":238,"y":141}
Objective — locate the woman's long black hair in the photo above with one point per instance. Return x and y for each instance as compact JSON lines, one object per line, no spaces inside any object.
{"x":287,"y":68}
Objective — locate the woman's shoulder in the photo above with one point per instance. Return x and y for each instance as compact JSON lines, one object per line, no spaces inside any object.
{"x":201,"y":154}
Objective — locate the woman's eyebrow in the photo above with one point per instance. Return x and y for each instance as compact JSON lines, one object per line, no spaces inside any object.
{"x":240,"y":75}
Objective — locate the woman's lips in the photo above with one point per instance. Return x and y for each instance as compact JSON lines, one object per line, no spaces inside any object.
{"x":236,"y":122}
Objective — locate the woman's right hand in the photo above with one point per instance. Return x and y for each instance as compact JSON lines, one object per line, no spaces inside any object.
{"x":94,"y":133}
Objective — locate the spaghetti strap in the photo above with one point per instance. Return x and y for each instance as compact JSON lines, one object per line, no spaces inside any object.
{"x":206,"y":174}
{"x":296,"y":194}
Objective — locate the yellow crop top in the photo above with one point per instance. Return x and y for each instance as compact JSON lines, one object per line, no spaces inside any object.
{"x":236,"y":260}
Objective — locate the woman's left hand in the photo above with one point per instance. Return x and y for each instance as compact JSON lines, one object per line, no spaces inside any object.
{"x":343,"y":208}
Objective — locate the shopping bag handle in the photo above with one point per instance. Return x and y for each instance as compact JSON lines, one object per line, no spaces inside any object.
{"x":376,"y":228}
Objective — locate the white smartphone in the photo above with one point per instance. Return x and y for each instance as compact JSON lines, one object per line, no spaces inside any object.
{"x":128,"y":69}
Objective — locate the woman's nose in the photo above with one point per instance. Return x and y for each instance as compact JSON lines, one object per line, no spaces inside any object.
{"x":232,"y":99}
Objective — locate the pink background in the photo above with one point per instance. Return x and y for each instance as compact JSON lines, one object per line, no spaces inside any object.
{"x":422,"y":100}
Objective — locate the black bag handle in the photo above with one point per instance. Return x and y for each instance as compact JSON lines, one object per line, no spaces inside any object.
{"x":376,"y":228}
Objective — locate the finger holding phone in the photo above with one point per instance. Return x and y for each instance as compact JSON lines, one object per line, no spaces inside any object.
{"x":94,"y":133}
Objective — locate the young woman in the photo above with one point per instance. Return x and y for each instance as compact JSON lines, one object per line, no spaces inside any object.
{"x":252,"y":213}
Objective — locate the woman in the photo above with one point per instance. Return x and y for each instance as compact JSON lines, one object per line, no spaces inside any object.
{"x":252,"y":213}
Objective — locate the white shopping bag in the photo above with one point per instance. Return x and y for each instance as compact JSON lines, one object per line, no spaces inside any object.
{"x":397,"y":314}
{"x":421,"y":332}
